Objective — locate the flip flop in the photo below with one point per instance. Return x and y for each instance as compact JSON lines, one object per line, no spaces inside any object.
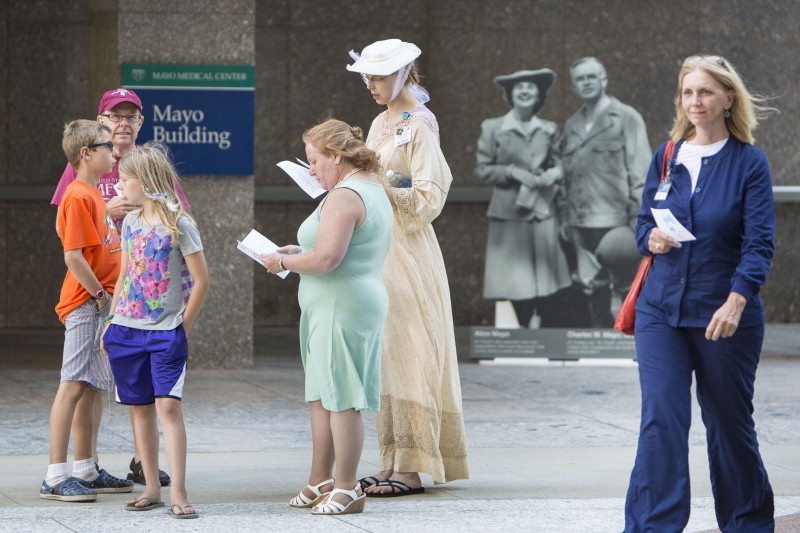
{"x":398,"y":489}
{"x":364,"y":482}
{"x":149,"y":507}
{"x":181,"y":507}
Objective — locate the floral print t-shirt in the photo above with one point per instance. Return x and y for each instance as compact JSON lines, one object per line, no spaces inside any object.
{"x":153,"y":296}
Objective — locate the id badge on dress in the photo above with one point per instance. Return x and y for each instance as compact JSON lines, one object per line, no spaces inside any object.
{"x":402,"y":136}
{"x":663,"y":189}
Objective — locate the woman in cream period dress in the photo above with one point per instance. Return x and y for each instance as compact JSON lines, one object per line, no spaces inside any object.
{"x":420,"y":423}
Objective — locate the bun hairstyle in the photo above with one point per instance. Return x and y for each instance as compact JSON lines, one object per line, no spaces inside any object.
{"x":334,"y":137}
{"x":151,"y":165}
{"x":745,"y":111}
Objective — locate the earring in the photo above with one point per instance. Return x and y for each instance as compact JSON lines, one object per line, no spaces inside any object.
{"x":727,"y":113}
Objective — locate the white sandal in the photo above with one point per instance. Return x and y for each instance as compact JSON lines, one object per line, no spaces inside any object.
{"x":301,"y":500}
{"x":330,"y":506}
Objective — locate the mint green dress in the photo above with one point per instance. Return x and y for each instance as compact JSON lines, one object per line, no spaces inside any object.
{"x":343,"y":311}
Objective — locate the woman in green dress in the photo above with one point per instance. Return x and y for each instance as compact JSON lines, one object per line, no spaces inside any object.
{"x":344,"y":306}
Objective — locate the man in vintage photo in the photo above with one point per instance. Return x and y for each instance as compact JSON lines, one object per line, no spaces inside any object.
{"x":606,"y":154}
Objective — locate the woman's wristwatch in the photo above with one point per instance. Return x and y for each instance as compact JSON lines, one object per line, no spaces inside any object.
{"x":100,"y":294}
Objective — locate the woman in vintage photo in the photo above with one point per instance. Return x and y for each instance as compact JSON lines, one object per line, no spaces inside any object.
{"x":518,"y":154}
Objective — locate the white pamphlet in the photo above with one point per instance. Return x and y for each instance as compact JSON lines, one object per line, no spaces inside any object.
{"x":301,"y":176}
{"x":256,"y":244}
{"x":667,"y":223}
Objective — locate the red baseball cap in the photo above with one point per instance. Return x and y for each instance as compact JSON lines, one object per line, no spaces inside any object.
{"x":117,"y":96}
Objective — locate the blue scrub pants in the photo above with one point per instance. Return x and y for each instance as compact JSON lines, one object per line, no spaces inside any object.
{"x":658,"y":499}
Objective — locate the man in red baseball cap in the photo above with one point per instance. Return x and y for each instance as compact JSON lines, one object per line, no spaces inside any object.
{"x":120,"y":110}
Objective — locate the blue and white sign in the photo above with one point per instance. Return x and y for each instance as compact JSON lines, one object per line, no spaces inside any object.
{"x":204,"y":113}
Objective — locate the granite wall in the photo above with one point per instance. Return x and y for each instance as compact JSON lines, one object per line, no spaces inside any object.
{"x":57,"y":57}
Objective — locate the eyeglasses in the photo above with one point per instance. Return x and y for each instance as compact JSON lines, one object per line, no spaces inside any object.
{"x":373,"y":79}
{"x":107,"y":144}
{"x":132,"y":119}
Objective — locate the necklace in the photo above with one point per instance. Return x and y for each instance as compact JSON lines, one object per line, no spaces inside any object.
{"x":354,"y":171}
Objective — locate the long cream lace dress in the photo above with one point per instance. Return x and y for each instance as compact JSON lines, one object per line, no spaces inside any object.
{"x":420,"y":423}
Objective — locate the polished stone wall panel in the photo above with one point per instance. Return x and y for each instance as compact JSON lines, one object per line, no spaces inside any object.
{"x":201,"y":7}
{"x":48,"y":11}
{"x":461,"y":230}
{"x":43,"y":50}
{"x":352,"y":19}
{"x":5,"y":267}
{"x":781,"y":292}
{"x":275,"y":299}
{"x":5,"y":87}
{"x":35,"y":262}
{"x":223,"y":39}
{"x":272,"y":107}
{"x":223,"y":209}
{"x":756,"y":39}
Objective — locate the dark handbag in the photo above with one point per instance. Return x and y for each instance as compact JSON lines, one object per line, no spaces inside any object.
{"x":626,"y":318}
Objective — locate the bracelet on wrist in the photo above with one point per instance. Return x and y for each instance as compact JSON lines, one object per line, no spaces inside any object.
{"x":107,"y":320}
{"x":280,"y":264}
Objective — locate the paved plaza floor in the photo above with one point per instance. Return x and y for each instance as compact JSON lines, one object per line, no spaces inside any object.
{"x":551,"y":446}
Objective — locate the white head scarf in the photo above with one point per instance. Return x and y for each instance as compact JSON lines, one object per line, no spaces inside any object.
{"x":399,"y":82}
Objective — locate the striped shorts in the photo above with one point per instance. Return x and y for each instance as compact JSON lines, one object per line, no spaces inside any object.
{"x":82,"y":359}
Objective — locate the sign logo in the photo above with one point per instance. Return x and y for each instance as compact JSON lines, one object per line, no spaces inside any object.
{"x":205,"y":113}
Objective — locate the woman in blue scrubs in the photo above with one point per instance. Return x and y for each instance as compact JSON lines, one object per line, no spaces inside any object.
{"x":700,"y":309}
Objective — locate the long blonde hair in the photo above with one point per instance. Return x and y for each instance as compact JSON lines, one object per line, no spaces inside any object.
{"x":745,"y":111}
{"x":151,"y":165}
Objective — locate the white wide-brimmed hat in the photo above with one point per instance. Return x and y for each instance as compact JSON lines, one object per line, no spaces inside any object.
{"x":382,"y":58}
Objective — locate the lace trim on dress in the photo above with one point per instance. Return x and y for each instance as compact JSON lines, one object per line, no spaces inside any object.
{"x":406,"y":417}
{"x":406,"y":207}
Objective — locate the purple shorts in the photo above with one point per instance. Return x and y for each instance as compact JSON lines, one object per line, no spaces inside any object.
{"x":147,"y":364}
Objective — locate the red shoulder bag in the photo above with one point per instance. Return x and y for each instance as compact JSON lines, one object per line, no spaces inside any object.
{"x":626,"y":318}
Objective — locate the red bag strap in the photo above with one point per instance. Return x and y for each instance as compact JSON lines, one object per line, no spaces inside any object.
{"x":668,"y":151}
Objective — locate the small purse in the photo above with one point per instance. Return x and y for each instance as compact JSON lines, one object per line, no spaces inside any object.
{"x":626,"y":318}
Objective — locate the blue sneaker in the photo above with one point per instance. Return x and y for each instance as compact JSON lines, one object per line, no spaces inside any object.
{"x":105,"y":483}
{"x":69,"y":490}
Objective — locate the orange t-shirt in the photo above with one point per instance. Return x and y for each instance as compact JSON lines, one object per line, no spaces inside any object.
{"x":83,"y":222}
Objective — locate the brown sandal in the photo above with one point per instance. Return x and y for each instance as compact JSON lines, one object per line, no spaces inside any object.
{"x":137,"y":475}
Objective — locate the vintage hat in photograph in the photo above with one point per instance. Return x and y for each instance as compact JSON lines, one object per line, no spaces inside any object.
{"x":382,"y":58}
{"x":113,"y":98}
{"x":543,"y":78}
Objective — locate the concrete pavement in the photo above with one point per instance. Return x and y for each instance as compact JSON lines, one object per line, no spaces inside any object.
{"x":551,"y":447}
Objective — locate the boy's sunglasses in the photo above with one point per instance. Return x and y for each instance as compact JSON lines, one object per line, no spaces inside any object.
{"x":107,"y":144}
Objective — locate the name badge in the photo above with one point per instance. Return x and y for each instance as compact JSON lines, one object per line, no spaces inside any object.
{"x":402,"y":136}
{"x":663,"y":189}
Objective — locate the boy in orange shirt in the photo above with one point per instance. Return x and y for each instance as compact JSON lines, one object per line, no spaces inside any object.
{"x":91,"y":252}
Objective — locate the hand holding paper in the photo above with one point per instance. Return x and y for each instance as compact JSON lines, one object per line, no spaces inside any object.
{"x":256,"y":244}
{"x":667,"y":223}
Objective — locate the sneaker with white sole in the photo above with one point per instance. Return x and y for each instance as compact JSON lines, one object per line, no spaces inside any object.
{"x":71,"y":489}
{"x":105,"y":483}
